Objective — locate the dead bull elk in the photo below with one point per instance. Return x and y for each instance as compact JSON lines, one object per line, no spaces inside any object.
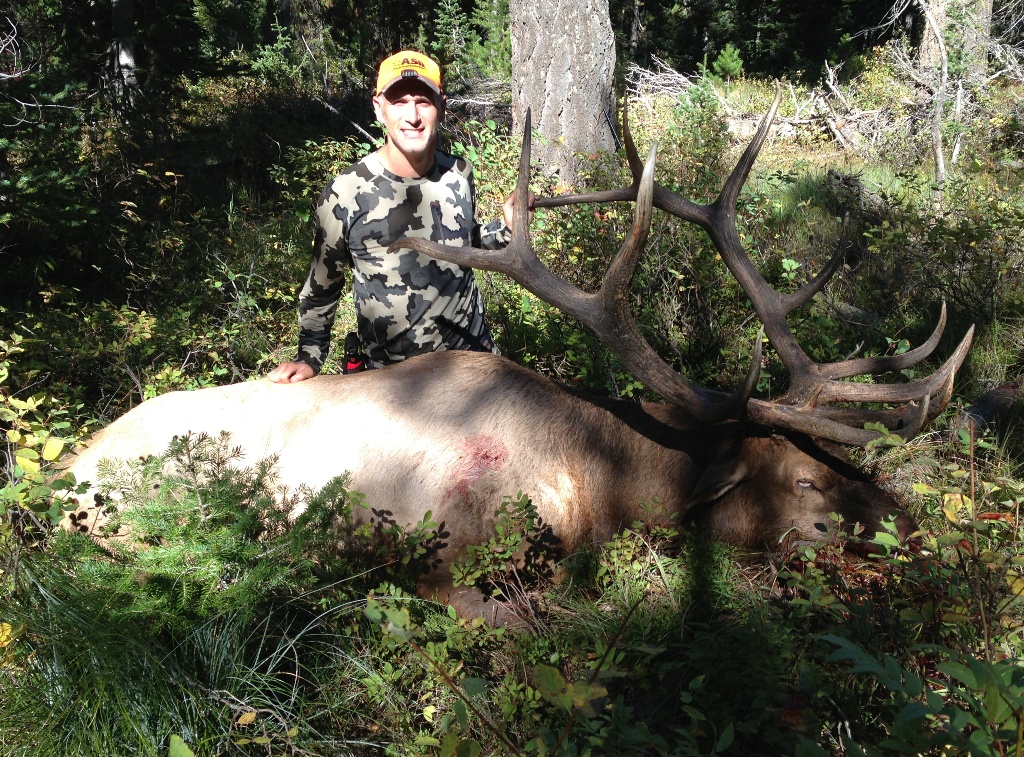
{"x":452,"y":432}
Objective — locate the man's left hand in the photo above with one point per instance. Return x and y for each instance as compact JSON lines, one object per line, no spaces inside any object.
{"x":508,"y":208}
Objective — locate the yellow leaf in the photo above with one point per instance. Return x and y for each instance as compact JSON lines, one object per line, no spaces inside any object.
{"x":13,"y":435}
{"x":293,"y":732}
{"x":1016,"y":585}
{"x":28,"y":463}
{"x":246,"y":718}
{"x":991,"y":560}
{"x":53,"y":448}
{"x":6,"y":634}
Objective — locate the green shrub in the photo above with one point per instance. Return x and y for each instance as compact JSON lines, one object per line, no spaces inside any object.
{"x":36,"y":432}
{"x":516,"y":559}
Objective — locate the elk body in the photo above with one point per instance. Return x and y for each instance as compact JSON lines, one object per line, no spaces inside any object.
{"x":453,"y":433}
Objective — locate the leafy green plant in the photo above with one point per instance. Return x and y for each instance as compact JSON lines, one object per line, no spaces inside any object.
{"x":491,"y":51}
{"x":307,"y":169}
{"x":645,"y":557}
{"x":942,"y":623}
{"x":36,"y":432}
{"x":972,"y":705}
{"x":584,"y":703}
{"x":516,"y":558}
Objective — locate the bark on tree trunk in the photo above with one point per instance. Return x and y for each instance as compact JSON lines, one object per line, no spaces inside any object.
{"x":934,"y":31}
{"x":931,"y":52}
{"x":124,"y":82}
{"x":967,"y":24}
{"x":563,"y":61}
{"x":978,"y":31}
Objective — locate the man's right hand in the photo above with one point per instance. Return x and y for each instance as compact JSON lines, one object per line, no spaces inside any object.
{"x":289,"y":373}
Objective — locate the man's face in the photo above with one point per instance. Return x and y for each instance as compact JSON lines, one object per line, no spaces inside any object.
{"x":409,"y":111}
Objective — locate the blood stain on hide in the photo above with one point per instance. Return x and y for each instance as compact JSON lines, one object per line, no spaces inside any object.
{"x":477,"y":455}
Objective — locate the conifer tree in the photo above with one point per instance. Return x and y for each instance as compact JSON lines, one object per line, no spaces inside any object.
{"x":728,"y":64}
{"x":491,"y":48}
{"x":451,"y":37}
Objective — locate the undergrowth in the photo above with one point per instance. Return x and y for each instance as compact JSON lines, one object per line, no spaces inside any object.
{"x":212,"y":620}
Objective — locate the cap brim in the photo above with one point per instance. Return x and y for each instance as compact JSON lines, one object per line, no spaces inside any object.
{"x":397,"y":79}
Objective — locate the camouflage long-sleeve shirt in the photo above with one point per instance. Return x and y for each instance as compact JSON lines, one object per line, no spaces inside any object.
{"x":406,"y":303}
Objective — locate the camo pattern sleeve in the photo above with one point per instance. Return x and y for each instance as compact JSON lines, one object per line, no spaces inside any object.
{"x":406,"y":303}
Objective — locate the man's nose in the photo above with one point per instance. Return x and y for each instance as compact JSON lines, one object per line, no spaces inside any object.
{"x":412,"y":113}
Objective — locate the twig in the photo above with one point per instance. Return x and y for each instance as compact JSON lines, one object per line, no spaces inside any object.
{"x":315,"y":61}
{"x":597,"y":670}
{"x":457,"y":690}
{"x":832,"y":121}
{"x":363,"y":131}
{"x":833,"y":85}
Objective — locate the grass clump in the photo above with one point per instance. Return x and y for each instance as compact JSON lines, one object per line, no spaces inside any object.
{"x":197,"y":616}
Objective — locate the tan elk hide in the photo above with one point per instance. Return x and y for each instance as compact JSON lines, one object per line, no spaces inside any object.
{"x":454,"y":432}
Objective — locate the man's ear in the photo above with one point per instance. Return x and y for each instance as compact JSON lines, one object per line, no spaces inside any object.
{"x":376,"y":107}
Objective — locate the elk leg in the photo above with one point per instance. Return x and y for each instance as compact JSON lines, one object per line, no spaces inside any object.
{"x":469,"y":602}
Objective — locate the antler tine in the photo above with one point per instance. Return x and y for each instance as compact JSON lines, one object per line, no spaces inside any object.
{"x":518,"y":259}
{"x":615,"y":326}
{"x":846,"y":391}
{"x":663,"y":198}
{"x":632,"y":156}
{"x":890,"y":363}
{"x":846,"y":430}
{"x":731,"y":189}
{"x":520,"y":209}
{"x":636,"y":167}
{"x":803,"y":295}
{"x":925,"y":400}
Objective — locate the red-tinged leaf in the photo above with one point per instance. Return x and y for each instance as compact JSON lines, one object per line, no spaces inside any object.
{"x":1005,"y":517}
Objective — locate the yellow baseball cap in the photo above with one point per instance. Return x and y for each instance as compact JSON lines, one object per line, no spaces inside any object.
{"x":409,"y":64}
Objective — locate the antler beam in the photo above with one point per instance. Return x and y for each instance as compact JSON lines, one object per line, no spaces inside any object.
{"x":815,"y":387}
{"x":606,"y":311}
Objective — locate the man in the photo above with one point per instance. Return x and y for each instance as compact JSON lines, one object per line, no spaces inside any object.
{"x":406,"y":303}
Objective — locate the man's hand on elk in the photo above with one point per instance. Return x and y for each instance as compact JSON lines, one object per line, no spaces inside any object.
{"x":291,"y":372}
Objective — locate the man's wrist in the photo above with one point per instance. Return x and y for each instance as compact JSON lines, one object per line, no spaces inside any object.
{"x":306,"y":360}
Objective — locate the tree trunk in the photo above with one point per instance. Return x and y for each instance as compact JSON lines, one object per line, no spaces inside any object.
{"x":978,"y":32}
{"x":932,"y":51}
{"x":934,"y":32}
{"x":635,"y":28}
{"x":124,"y":82}
{"x":967,"y":26}
{"x":563,"y":61}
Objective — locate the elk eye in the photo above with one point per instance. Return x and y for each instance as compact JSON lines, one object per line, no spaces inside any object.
{"x":806,"y":483}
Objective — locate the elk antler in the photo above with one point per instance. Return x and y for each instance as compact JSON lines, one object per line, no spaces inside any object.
{"x":606,"y":311}
{"x":814,"y":387}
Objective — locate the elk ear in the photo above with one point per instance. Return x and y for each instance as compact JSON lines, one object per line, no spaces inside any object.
{"x":718,"y":478}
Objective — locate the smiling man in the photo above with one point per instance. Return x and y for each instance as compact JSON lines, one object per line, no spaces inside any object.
{"x":406,"y":303}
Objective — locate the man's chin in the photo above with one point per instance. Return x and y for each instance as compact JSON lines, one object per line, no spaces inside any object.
{"x":414,"y":147}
